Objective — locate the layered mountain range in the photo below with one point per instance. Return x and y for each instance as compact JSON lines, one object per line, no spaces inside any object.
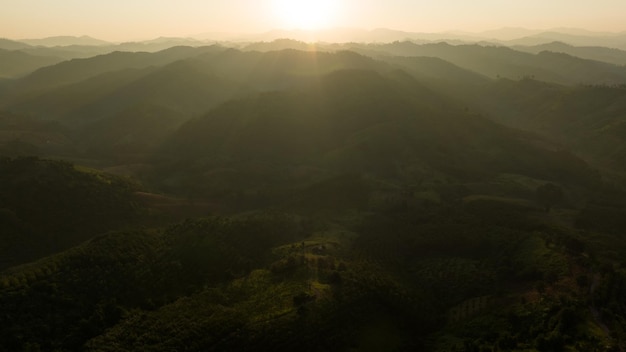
{"x":342,"y":196}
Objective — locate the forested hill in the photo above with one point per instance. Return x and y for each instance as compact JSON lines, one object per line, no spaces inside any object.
{"x":360,"y":121}
{"x":500,"y":61}
{"x":50,"y":206}
{"x":331,"y":197}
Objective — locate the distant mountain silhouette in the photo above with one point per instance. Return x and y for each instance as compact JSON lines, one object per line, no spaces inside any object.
{"x":65,"y":41}
{"x":498,"y":61}
{"x":433,"y":68}
{"x":178,"y":91}
{"x":613,"y":56}
{"x":8,"y":44}
{"x":609,"y":41}
{"x":508,"y":33}
{"x":76,"y":70}
{"x":85,"y":93}
{"x":280,"y":44}
{"x":17,"y":63}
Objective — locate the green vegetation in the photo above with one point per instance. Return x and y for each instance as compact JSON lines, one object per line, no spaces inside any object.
{"x":395,"y":197}
{"x":549,"y":195}
{"x":49,"y":206}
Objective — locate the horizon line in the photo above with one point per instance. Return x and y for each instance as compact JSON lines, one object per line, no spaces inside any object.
{"x":239,"y":36}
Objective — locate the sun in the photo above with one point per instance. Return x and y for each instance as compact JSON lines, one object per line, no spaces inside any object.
{"x":305,"y":14}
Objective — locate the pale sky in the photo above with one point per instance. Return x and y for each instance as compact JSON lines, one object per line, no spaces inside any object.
{"x":119,"y":20}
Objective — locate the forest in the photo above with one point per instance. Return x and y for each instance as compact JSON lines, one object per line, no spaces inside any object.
{"x":281,"y":196}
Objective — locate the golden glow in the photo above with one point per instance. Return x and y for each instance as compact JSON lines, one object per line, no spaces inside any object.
{"x":306,"y":14}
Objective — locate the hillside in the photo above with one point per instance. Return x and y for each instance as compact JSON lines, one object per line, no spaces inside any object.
{"x":610,"y":55}
{"x":589,"y":119}
{"x":77,"y":70}
{"x":499,"y":61}
{"x":158,"y":98}
{"x":584,"y":38}
{"x":271,"y":281}
{"x":65,"y":41}
{"x":17,"y":63}
{"x":8,"y":44}
{"x":396,"y":197}
{"x":49,"y":206}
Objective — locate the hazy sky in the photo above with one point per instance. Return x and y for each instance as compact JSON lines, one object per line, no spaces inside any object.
{"x":144,"y":19}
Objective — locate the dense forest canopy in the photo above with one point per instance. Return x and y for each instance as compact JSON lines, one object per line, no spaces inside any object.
{"x":398,"y":196}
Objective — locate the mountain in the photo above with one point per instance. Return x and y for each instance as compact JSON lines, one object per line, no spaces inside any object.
{"x":171,"y":94}
{"x":508,"y":33}
{"x":79,"y":69}
{"x":351,"y":35}
{"x":432,"y":68}
{"x":65,"y":41}
{"x":159,"y":44}
{"x":262,"y":71}
{"x":354,"y":121}
{"x":107,"y":90}
{"x":70,"y":47}
{"x":497,"y":61}
{"x":508,"y":36}
{"x":333,"y":35}
{"x":50,"y":206}
{"x":8,"y":44}
{"x":145,"y":111}
{"x":76,"y":70}
{"x":613,"y":56}
{"x":280,"y":44}
{"x":588,"y":119}
{"x":513,"y":33}
{"x":174,"y":41}
{"x":26,"y":136}
{"x":617,"y":41}
{"x":368,"y":197}
{"x":17,"y":63}
{"x":69,"y":52}
{"x":56,"y":103}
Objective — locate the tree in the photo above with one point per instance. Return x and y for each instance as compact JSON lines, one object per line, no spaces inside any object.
{"x":549,"y":195}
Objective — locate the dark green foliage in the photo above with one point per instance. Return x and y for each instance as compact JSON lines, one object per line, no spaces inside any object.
{"x":90,"y":288}
{"x":352,"y":121}
{"x":220,"y":249}
{"x":549,"y":195}
{"x":49,"y":206}
{"x":65,"y":299}
{"x":417,"y":223}
{"x":80,"y":69}
{"x":586,"y":118}
{"x":603,"y":216}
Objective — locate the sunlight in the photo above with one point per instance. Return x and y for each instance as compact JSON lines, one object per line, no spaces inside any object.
{"x":305,"y":14}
